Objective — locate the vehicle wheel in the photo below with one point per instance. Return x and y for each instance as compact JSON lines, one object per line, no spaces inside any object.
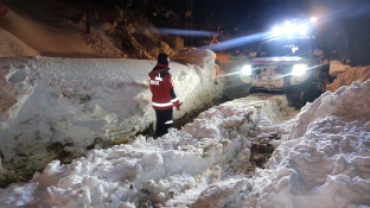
{"x":295,"y":98}
{"x":252,"y":90}
{"x":310,"y":95}
{"x":302,"y":98}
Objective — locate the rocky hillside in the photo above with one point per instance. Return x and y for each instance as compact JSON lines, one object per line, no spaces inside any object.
{"x":62,"y":29}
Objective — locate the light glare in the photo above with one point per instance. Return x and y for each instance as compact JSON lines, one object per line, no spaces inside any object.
{"x":302,"y":29}
{"x":277,"y":31}
{"x":299,"y":69}
{"x":289,"y":29}
{"x":313,"y":20}
{"x":247,"y":70}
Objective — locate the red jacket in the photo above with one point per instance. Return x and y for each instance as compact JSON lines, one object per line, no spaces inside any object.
{"x":162,"y":87}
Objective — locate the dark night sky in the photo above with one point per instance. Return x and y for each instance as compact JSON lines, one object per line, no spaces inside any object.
{"x":254,"y":14}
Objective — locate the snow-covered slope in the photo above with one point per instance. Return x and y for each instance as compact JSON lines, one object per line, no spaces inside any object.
{"x":58,"y":29}
{"x":58,"y":107}
{"x":23,"y":36}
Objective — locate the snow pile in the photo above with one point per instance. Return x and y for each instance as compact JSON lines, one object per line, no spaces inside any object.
{"x":328,"y":167}
{"x":59,"y":108}
{"x":149,"y":172}
{"x":198,"y":57}
{"x":326,"y":162}
{"x":349,"y":75}
{"x":322,"y":162}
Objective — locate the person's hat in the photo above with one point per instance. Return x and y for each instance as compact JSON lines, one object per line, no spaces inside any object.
{"x":163,"y":59}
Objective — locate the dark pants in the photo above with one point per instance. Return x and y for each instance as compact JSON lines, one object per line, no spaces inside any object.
{"x":164,"y":121}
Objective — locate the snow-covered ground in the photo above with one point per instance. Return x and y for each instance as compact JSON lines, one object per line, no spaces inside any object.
{"x":251,"y":152}
{"x":60,"y":107}
{"x":213,"y":148}
{"x":321,"y":159}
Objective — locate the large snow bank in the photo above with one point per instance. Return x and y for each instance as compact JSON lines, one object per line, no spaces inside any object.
{"x":58,"y":107}
{"x":349,"y":75}
{"x":167,"y":172}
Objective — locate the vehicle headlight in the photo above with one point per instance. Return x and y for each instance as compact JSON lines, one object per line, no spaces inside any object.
{"x":289,"y":29}
{"x":299,"y":69}
{"x":247,"y":70}
{"x":302,"y":29}
{"x":277,"y":31}
{"x":313,"y":20}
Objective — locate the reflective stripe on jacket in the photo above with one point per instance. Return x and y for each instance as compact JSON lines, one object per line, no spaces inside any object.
{"x":162,"y":88}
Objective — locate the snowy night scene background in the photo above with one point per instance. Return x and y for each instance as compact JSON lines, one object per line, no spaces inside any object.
{"x":76,"y":120}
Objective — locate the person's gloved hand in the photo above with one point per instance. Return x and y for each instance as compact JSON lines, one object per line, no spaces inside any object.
{"x":178,"y":108}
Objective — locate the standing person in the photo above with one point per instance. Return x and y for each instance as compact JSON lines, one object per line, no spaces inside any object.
{"x":164,"y":97}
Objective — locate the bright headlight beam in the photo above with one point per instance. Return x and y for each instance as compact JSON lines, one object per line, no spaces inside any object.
{"x":299,"y":69}
{"x":179,"y":32}
{"x":276,"y":31}
{"x":302,"y":29}
{"x":289,"y":29}
{"x":238,"y":41}
{"x":313,"y":19}
{"x":247,"y":69}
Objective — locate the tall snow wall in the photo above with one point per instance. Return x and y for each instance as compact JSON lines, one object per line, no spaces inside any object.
{"x":58,"y":108}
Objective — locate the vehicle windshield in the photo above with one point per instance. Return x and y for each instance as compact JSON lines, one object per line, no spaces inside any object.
{"x":284,"y":47}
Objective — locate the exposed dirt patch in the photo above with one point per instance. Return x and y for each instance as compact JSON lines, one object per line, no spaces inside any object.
{"x":13,"y":171}
{"x":261,"y":151}
{"x":8,"y":94}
